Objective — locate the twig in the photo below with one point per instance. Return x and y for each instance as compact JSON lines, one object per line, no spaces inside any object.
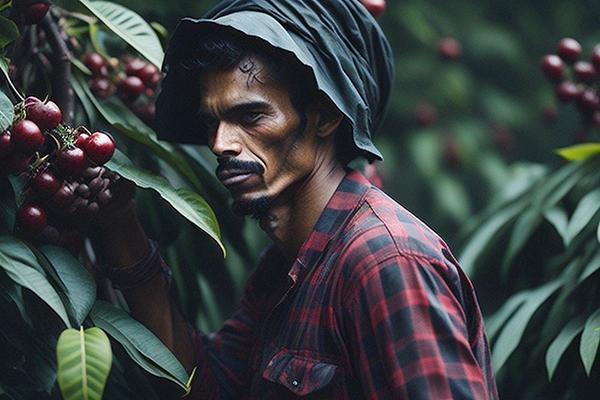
{"x":61,"y":71}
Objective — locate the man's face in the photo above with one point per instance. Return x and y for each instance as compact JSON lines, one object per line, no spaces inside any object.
{"x":263,"y":145}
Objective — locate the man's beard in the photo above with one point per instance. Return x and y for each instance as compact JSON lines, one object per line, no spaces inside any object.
{"x":256,"y":208}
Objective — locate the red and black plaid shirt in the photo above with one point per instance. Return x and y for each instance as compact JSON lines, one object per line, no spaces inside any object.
{"x":374,"y":307}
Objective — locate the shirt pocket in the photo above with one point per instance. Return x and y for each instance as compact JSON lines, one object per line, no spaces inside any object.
{"x":298,"y":374}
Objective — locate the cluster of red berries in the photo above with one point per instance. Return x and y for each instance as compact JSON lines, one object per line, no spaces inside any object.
{"x":135,"y":84}
{"x":32,"y":11}
{"x":574,"y":79}
{"x":63,"y":168}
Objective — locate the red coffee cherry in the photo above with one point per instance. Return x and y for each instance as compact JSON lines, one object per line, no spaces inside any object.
{"x":375,"y":7}
{"x":596,"y":56}
{"x":27,"y":137}
{"x":45,"y":184}
{"x":46,"y":116}
{"x":102,"y":87}
{"x":99,"y":148}
{"x":553,"y":67}
{"x":568,"y":49}
{"x":584,"y":71}
{"x":71,"y":161}
{"x":589,"y":100}
{"x":147,"y":73}
{"x":133,"y":66}
{"x":64,"y":196}
{"x":449,"y":48}
{"x":130,"y":87}
{"x":426,"y":114}
{"x":31,"y":219}
{"x":80,"y":140}
{"x":6,"y":145}
{"x":96,"y":63}
{"x":567,"y":91}
{"x":35,"y":12}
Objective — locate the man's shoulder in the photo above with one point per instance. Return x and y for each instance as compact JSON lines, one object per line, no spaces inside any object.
{"x":381,"y":228}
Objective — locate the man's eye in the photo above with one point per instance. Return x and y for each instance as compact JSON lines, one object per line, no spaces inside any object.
{"x":250,"y":118}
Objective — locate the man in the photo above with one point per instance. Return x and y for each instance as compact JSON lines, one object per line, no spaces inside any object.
{"x":356,"y":298}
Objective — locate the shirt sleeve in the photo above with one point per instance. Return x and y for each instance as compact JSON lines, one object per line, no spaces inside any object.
{"x":223,"y":357}
{"x":408,"y":333}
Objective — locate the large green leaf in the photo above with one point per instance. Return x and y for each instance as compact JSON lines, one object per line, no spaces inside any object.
{"x":590,"y":338}
{"x":189,"y":204}
{"x":8,"y":31}
{"x":513,"y":330}
{"x":561,"y":343}
{"x":588,"y":206}
{"x":4,"y":62}
{"x":141,"y":344}
{"x":559,"y":219}
{"x":84,"y":361}
{"x":7,"y":112}
{"x":20,"y":265}
{"x":81,"y":288}
{"x":130,"y":27}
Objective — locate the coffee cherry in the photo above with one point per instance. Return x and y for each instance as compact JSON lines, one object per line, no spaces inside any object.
{"x":102,"y":87}
{"x":449,"y":48}
{"x":96,"y":63}
{"x":146,"y":112}
{"x":31,"y":219}
{"x":104,"y":197}
{"x":589,"y":100}
{"x":133,"y":66}
{"x":130,"y":87}
{"x":64,"y":196}
{"x":567,"y":91}
{"x":71,"y":161}
{"x":49,"y":235}
{"x":27,"y":137}
{"x":71,"y":240}
{"x":584,"y":71}
{"x":45,"y":184}
{"x":147,"y":73}
{"x":154,"y":80}
{"x":6,"y":145}
{"x":46,"y":116}
{"x":375,"y":7}
{"x":451,"y":153}
{"x":80,"y":140}
{"x":35,"y":12}
{"x":568,"y":49}
{"x":553,"y":66}
{"x":426,"y":114}
{"x":99,"y":148}
{"x":596,"y":56}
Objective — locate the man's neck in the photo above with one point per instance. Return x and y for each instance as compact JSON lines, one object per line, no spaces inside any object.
{"x":293,"y":215}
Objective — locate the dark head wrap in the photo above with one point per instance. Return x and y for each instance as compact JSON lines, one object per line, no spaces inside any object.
{"x":339,"y":41}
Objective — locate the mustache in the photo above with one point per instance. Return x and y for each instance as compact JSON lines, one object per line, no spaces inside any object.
{"x":239,"y":166}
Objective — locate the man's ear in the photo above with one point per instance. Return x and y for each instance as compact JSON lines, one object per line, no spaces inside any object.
{"x":330,"y":117}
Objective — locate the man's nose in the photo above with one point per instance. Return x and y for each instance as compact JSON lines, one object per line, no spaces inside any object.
{"x":225,"y":141}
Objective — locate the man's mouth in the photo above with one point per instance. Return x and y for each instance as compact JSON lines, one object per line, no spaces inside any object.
{"x":232,"y":177}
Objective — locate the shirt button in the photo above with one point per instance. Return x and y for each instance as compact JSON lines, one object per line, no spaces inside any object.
{"x":295,"y":382}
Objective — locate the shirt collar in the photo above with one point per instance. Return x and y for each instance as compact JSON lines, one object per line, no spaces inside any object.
{"x":342,"y":205}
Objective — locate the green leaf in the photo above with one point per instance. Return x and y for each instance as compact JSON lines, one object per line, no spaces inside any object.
{"x":4,"y":62}
{"x":130,"y":27}
{"x":513,"y":331}
{"x":8,"y":31}
{"x":559,"y":219}
{"x":141,"y":344}
{"x":189,"y":204}
{"x":498,"y":319}
{"x":590,"y":338}
{"x":7,"y":112}
{"x":81,"y":288}
{"x":560,"y":344}
{"x":598,"y":233}
{"x":84,"y":362}
{"x":20,"y":265}
{"x":588,"y":206}
{"x":579,"y":151}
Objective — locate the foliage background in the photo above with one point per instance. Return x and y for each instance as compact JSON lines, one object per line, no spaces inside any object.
{"x":495,"y":86}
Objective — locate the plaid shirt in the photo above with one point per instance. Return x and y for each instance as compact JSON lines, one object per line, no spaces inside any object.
{"x":374,"y":307}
